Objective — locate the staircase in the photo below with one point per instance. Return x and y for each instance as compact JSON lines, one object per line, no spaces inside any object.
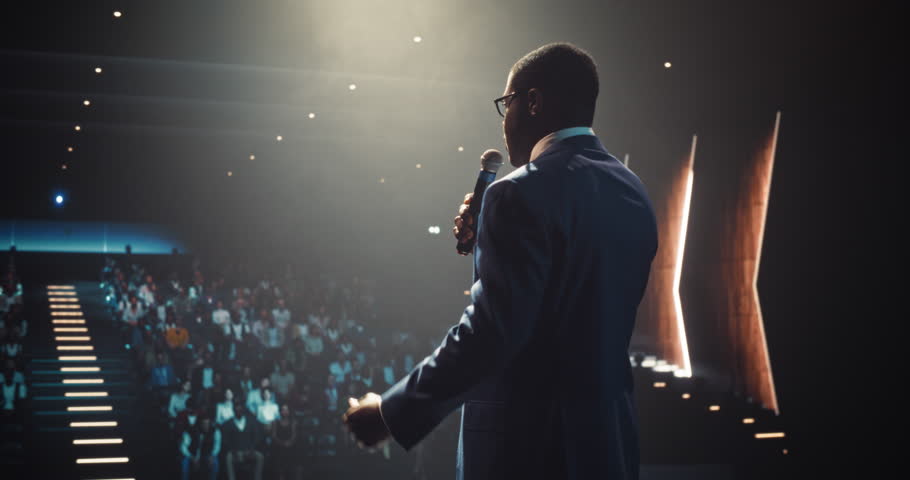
{"x":86,"y":421}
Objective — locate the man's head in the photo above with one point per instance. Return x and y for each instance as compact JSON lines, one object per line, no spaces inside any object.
{"x":550,"y":88}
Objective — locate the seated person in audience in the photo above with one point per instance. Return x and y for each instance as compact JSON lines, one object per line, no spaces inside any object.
{"x":199,"y":449}
{"x":224,"y":411}
{"x":12,"y":347}
{"x":331,"y":394}
{"x":281,"y":315}
{"x":340,"y":368}
{"x":254,"y":398}
{"x":268,"y":410}
{"x":178,"y":399}
{"x":221,"y":317}
{"x":132,"y":312}
{"x":284,"y":435}
{"x":9,"y":371}
{"x":243,"y":438}
{"x":246,"y":382}
{"x":162,"y":375}
{"x":176,"y":335}
{"x":13,"y":396}
{"x":282,"y":379}
{"x":188,"y":417}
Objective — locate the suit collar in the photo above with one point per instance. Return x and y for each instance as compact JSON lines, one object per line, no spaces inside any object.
{"x":548,"y":141}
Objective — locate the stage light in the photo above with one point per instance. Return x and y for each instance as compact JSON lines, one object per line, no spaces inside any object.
{"x":714,"y":408}
{"x":74,"y":339}
{"x":417,"y":39}
{"x":103,"y":460}
{"x":460,"y":149}
{"x":785,"y":451}
{"x":686,"y":396}
{"x":748,"y":421}
{"x":85,"y":394}
{"x":80,"y":369}
{"x":98,"y":70}
{"x":71,"y":329}
{"x":75,"y":347}
{"x":59,"y":199}
{"x":78,"y":358}
{"x":660,"y":384}
{"x":78,"y":128}
{"x":252,"y":157}
{"x":312,"y":115}
{"x":434,"y":230}
{"x":467,"y":292}
{"x":86,"y":102}
{"x":66,"y":314}
{"x":76,"y":321}
{"x":83,"y":380}
{"x":230,"y":173}
{"x":118,"y":13}
{"x":418,"y":165}
{"x":279,"y":138}
{"x":382,"y":180}
{"x":97,"y":441}
{"x":69,"y":149}
{"x":93,"y":424}
{"x":352,"y":87}
{"x":93,"y":408}
{"x":667,"y":65}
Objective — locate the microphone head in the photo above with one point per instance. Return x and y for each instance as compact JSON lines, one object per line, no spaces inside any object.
{"x":491,"y":160}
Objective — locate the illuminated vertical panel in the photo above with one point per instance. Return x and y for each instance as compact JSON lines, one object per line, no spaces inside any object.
{"x":683,"y":228}
{"x":744,"y":234}
{"x":660,"y":320}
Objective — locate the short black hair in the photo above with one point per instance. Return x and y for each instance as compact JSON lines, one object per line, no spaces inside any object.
{"x":564,"y":71}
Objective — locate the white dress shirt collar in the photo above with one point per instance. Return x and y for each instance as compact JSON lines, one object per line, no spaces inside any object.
{"x":546,"y":142}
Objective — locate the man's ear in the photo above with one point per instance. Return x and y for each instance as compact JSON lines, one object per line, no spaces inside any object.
{"x":535,"y":102}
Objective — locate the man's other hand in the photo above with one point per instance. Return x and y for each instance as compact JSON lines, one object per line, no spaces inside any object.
{"x":364,"y":421}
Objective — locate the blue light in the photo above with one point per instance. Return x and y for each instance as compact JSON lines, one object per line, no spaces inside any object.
{"x":59,"y":199}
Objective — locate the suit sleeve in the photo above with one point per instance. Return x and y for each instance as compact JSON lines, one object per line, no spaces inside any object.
{"x":512,"y":265}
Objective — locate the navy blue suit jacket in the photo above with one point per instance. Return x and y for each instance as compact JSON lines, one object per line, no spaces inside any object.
{"x":539,"y":360}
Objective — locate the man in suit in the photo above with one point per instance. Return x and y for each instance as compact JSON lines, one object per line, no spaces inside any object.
{"x":539,"y":360}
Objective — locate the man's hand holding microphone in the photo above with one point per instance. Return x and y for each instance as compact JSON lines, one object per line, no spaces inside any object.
{"x":363,"y":419}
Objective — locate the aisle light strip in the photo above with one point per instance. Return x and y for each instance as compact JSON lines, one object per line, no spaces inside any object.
{"x":77,"y":358}
{"x":62,"y":294}
{"x":85,"y":394}
{"x":97,"y":441}
{"x":83,"y":380}
{"x":66,"y":314}
{"x":70,"y":329}
{"x":74,"y":339}
{"x":75,"y":347}
{"x":64,"y":306}
{"x":103,"y":460}
{"x":77,"y":321}
{"x":80,"y":369}
{"x":63,"y":300}
{"x":93,"y":408}
{"x":93,"y":424}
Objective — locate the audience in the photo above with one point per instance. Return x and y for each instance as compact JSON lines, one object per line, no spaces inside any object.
{"x":267,"y":362}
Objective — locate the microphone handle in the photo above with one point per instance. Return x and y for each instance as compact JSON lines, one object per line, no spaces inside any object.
{"x":484,"y":179}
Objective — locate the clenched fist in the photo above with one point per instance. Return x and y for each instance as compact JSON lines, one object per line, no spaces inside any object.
{"x":364,"y":420}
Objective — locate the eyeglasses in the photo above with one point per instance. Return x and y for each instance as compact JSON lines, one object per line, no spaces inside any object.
{"x":502,"y":103}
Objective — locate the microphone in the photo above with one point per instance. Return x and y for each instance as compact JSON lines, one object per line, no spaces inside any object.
{"x":490,"y":162}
